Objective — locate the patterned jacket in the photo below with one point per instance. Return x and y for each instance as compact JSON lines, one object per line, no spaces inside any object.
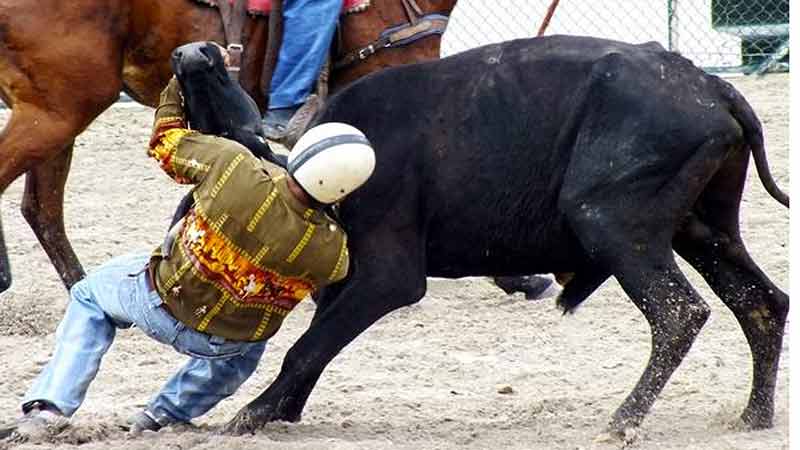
{"x":248,"y":251}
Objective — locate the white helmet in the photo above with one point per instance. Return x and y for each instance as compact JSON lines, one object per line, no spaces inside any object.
{"x":331,"y":160}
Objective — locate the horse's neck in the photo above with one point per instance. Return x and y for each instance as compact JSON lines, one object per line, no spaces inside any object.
{"x":154,"y":29}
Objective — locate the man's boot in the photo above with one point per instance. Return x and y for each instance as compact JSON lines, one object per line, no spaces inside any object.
{"x":276,"y":122}
{"x":40,"y":419}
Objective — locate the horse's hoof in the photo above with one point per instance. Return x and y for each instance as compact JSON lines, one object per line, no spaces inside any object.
{"x":5,"y":282}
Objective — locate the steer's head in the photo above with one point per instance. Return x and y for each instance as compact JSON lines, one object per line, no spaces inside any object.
{"x":215,"y":104}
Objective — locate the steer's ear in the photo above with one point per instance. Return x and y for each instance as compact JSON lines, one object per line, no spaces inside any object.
{"x":224,"y":56}
{"x":215,"y":53}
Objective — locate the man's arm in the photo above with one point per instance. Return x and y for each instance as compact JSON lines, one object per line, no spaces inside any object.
{"x":187,"y":155}
{"x":169,"y":128}
{"x":169,"y":113}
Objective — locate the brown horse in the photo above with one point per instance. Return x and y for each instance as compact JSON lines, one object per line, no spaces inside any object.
{"x":63,"y":63}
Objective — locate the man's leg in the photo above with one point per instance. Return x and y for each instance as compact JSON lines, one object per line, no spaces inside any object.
{"x":198,"y":386}
{"x":96,"y":309}
{"x":309,"y":26}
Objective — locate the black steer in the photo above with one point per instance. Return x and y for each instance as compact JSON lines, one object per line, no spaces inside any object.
{"x":214,"y":104}
{"x":550,"y":155}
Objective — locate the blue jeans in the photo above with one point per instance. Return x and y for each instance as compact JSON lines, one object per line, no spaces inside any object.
{"x":115,"y":296}
{"x":309,"y":26}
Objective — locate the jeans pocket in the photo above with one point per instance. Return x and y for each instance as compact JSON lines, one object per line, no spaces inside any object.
{"x":159,"y":324}
{"x":203,"y":346}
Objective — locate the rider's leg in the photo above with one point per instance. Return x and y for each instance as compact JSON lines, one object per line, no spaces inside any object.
{"x":309,"y":26}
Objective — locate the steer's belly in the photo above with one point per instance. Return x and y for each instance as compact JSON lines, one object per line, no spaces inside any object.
{"x":473,"y":249}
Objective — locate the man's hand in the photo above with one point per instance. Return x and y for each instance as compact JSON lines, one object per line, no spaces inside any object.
{"x":172,"y":93}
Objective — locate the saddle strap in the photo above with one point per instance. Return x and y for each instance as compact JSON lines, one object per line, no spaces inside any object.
{"x":234,"y":14}
{"x":428,"y":25}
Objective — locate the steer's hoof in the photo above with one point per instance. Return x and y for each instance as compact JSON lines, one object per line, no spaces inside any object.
{"x":534,"y":287}
{"x":624,"y":432}
{"x":750,"y":421}
{"x":7,"y":429}
{"x":616,"y":438}
{"x":606,"y":438}
{"x":243,"y":423}
{"x":249,"y":420}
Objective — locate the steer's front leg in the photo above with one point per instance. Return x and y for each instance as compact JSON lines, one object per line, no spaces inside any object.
{"x":392,"y":279}
{"x":282,"y":401}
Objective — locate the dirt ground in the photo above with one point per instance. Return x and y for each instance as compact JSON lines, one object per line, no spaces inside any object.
{"x":426,"y":376}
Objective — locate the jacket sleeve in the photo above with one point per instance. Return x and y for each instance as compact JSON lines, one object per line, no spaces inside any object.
{"x":169,"y":127}
{"x":169,"y":113}
{"x":186,"y":155}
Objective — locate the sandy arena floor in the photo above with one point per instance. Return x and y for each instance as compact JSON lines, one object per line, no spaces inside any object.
{"x":426,"y":376}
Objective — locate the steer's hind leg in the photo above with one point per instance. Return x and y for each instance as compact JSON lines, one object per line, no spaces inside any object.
{"x":626,"y":215}
{"x":646,"y":269}
{"x":759,"y":306}
{"x":711,"y":243}
{"x":675,"y":312}
{"x":388,"y":273}
{"x":635,"y":245}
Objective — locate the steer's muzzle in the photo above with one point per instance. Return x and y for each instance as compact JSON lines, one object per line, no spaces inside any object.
{"x":196,"y":58}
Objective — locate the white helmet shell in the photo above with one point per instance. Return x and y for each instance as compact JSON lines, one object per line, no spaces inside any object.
{"x":331,"y":160}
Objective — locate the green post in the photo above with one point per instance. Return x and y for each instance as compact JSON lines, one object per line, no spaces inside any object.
{"x":670,"y":17}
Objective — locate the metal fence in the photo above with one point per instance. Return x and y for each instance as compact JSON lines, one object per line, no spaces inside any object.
{"x":749,"y":36}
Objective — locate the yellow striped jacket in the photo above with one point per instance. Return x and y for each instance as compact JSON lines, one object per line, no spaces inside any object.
{"x":249,"y":251}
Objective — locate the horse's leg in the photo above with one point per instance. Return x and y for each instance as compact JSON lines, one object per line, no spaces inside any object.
{"x":387,"y":276}
{"x":39,"y":136}
{"x":711,"y":243}
{"x":53,"y":99}
{"x":5,"y":266}
{"x":29,"y":138}
{"x":42,"y":207}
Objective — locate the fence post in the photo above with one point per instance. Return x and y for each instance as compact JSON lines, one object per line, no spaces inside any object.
{"x":671,"y":12}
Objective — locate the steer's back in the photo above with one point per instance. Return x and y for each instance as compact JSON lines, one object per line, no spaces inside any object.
{"x":473,"y":149}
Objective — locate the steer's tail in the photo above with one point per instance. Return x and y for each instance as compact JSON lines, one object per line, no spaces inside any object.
{"x":754,"y":137}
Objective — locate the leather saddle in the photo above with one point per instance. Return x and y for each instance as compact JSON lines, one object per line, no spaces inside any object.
{"x":263,"y":7}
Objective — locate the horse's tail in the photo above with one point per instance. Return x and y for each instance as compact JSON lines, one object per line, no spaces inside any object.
{"x":754,"y":137}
